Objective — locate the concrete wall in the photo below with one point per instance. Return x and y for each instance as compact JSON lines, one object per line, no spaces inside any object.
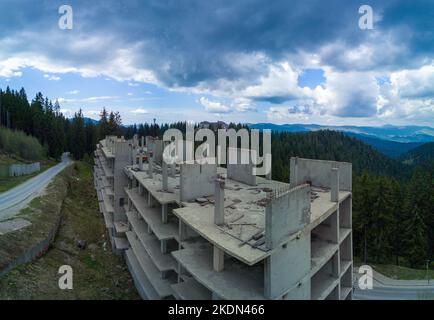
{"x":155,"y":146}
{"x":286,"y":214}
{"x":197,"y":180}
{"x":286,"y":266}
{"x":122,"y":159}
{"x":240,"y":170}
{"x":319,"y":173}
{"x":16,"y":170}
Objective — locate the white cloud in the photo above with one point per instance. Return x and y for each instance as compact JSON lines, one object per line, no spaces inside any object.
{"x":214,"y":107}
{"x":139,"y":111}
{"x":51,"y":77}
{"x":95,"y":99}
{"x":73,"y":92}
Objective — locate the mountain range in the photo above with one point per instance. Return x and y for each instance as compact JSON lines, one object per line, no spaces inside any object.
{"x":393,"y":141}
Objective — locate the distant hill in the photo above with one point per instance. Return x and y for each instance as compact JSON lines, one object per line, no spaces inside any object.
{"x":388,"y":132}
{"x":89,"y":120}
{"x":421,"y":155}
{"x":391,"y":149}
{"x":330,"y":145}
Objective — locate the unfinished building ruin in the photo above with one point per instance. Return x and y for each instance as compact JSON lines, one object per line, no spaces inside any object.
{"x":199,"y":231}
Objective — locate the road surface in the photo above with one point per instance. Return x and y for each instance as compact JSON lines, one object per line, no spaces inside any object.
{"x":395,"y":293}
{"x":385,"y":288}
{"x":12,"y":201}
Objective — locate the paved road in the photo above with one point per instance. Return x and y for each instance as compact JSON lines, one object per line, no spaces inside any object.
{"x":12,"y":201}
{"x":394,"y":293}
{"x":390,"y":289}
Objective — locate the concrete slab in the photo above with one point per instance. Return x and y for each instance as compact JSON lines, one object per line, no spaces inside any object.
{"x":144,"y":287}
{"x":236,"y":282}
{"x":121,"y":243}
{"x":155,"y":186}
{"x":152,"y":216}
{"x":161,"y":286}
{"x":190,"y":289}
{"x":163,"y":262}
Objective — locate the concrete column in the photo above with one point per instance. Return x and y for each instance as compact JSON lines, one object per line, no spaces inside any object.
{"x":150,"y":200}
{"x":218,"y":259}
{"x":163,"y":246}
{"x":143,"y":141}
{"x":150,"y":167}
{"x":173,"y":170}
{"x":182,"y":232}
{"x":165,"y":176}
{"x":269,"y":176}
{"x":219,"y":206}
{"x":334,"y":185}
{"x":140,"y":160}
{"x":165,"y":213}
{"x":293,"y":175}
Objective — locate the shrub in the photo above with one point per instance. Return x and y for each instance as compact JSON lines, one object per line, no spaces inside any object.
{"x":20,"y":144}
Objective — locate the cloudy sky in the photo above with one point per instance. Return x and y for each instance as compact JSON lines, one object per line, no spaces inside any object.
{"x":246,"y":60}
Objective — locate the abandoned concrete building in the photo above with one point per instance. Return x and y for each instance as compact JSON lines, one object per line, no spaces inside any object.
{"x":199,"y":231}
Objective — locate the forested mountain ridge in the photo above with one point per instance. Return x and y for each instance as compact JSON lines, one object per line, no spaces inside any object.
{"x":330,"y":145}
{"x":421,"y":155}
{"x":392,"y":149}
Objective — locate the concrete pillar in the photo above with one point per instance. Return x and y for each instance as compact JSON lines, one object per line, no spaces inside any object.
{"x":150,"y":167}
{"x":334,"y":185}
{"x":143,"y":142}
{"x":150,"y":200}
{"x":268,"y":176}
{"x":163,"y":246}
{"x":218,"y":259}
{"x":140,"y":160}
{"x":173,"y":170}
{"x":165,"y":213}
{"x":165,"y":176}
{"x":219,"y":206}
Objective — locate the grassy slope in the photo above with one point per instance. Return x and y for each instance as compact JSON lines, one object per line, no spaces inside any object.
{"x":98,"y":274}
{"x":398,"y":272}
{"x":403,"y":273}
{"x":8,"y":183}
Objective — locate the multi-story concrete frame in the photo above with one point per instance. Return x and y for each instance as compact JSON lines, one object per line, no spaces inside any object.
{"x":111,"y":157}
{"x":202,"y":232}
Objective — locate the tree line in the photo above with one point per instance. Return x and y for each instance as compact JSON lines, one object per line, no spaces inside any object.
{"x":43,"y":119}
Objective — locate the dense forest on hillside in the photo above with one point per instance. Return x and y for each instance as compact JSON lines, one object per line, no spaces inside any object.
{"x":421,"y":155}
{"x":42,"y":119}
{"x":393,"y":202}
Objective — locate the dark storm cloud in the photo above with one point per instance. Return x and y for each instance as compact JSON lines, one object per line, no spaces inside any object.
{"x":199,"y":43}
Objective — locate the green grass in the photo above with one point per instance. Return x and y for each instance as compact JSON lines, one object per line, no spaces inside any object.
{"x":8,"y":183}
{"x":403,"y":273}
{"x":398,"y":272}
{"x":98,"y":273}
